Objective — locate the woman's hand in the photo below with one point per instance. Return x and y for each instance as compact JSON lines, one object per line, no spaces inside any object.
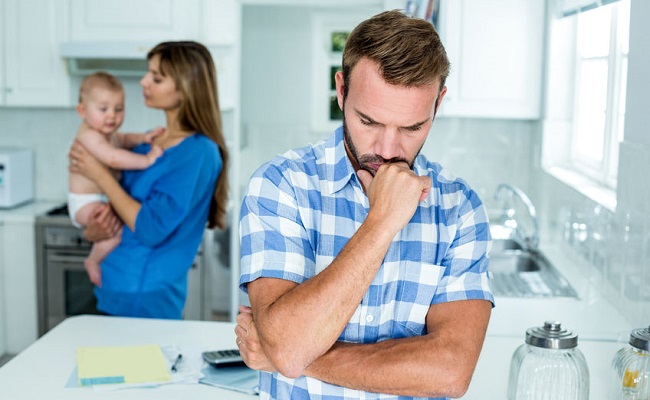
{"x":103,"y":224}
{"x":82,"y":162}
{"x":249,"y":343}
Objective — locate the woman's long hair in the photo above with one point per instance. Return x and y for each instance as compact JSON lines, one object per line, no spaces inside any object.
{"x":192,"y":68}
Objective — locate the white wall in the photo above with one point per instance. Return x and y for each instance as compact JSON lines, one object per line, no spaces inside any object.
{"x":50,"y":131}
{"x":617,"y":245}
{"x":637,"y":119}
{"x":276,"y":108}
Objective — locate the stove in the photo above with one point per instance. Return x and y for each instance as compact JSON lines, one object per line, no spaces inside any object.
{"x":63,"y":286}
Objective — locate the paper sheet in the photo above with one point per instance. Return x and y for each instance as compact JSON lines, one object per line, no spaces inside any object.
{"x":126,"y":364}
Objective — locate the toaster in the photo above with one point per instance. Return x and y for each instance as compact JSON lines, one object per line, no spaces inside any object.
{"x":16,"y":176}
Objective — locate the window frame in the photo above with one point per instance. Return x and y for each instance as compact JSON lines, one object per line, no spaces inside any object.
{"x":323,"y":25}
{"x":603,"y":172}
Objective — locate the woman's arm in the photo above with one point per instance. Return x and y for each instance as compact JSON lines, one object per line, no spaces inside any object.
{"x":81,"y":161}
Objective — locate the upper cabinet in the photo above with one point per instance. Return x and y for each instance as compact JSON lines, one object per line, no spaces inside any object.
{"x":31,"y":71}
{"x":209,"y":21}
{"x":128,"y":20}
{"x":496,"y":49}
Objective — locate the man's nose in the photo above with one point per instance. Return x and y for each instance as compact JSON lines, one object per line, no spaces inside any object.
{"x":388,"y":144}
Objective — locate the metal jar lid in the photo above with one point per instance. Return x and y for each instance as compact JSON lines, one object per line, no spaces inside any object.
{"x":551,"y":336}
{"x":640,"y":338}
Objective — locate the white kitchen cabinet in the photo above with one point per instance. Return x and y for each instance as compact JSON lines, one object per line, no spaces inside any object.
{"x":3,"y":321}
{"x":31,"y":71}
{"x":496,"y":49}
{"x":127,"y":20}
{"x":212,"y":22}
{"x":20,"y":308}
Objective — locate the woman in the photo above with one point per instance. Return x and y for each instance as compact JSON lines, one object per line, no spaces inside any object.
{"x":165,"y":208}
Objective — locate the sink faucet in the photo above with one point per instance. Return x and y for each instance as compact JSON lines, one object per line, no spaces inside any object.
{"x":531,"y":241}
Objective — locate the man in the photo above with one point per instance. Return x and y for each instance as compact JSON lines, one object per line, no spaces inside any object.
{"x":365,"y":264}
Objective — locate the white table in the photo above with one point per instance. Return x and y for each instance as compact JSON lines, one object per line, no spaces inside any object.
{"x":42,"y":370}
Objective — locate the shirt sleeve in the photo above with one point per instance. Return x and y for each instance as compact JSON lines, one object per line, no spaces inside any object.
{"x":466,"y":262}
{"x":274,"y":241}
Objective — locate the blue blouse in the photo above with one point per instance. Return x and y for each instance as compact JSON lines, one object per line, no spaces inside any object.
{"x":146,"y":275}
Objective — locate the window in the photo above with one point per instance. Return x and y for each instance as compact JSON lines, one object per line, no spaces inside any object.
{"x":599,"y":104}
{"x":329,"y":35}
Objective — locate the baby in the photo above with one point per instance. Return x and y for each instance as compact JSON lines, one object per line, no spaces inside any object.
{"x":101,"y":107}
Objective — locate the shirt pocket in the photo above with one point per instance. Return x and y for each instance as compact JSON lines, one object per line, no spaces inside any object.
{"x":417,"y":285}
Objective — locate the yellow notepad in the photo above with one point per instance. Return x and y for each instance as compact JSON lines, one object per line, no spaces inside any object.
{"x":123,"y":364}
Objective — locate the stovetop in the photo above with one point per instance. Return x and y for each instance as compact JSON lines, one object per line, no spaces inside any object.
{"x":57,"y":216}
{"x":60,"y":210}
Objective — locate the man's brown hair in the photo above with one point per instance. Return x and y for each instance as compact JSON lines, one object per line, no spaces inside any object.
{"x":408,"y":50}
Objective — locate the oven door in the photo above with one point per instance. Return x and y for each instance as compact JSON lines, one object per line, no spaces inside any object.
{"x":69,"y":291}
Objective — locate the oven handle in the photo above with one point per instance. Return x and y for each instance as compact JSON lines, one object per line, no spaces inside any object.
{"x":67,"y":258}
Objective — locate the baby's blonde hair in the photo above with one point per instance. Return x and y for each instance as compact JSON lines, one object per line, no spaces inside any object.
{"x":100,"y":79}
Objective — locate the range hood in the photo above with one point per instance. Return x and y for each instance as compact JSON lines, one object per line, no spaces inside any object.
{"x":117,"y":58}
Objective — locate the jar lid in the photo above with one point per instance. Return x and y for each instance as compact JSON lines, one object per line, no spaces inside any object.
{"x":640,"y":338}
{"x":551,"y":336}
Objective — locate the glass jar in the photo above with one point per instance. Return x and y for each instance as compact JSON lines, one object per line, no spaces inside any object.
{"x":548,"y":366}
{"x":631,"y":367}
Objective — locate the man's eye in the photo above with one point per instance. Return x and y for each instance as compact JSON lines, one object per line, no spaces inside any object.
{"x":413,"y":128}
{"x":366,"y":122}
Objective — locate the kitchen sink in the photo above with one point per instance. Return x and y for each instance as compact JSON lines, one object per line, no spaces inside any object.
{"x":501,"y":245}
{"x":526,"y":273}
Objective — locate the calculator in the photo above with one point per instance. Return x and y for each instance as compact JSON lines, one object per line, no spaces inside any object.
{"x":223,"y":358}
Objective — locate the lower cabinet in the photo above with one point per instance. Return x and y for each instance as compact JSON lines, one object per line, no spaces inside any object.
{"x":3,"y":321}
{"x":19,"y":273}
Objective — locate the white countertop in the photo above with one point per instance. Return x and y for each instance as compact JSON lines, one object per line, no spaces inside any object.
{"x":42,"y":370}
{"x":27,"y":212}
{"x":591,"y":315}
{"x":602,"y":330}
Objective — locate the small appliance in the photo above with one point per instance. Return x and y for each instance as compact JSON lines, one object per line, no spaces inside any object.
{"x":16,"y":176}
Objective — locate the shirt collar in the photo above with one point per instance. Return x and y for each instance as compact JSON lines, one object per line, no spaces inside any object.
{"x":339,"y":167}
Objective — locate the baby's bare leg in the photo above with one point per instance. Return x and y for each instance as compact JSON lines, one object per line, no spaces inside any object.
{"x":97,"y":254}
{"x":84,"y":213}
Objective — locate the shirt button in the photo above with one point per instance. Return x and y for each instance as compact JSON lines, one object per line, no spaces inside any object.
{"x":369,"y":318}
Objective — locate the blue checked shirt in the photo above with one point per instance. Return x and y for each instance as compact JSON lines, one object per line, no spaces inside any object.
{"x":301,"y":209}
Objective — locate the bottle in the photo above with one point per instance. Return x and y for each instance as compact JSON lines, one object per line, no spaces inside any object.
{"x":548,"y":366}
{"x":631,"y":367}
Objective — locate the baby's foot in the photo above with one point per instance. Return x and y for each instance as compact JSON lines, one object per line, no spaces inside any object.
{"x":94,"y":272}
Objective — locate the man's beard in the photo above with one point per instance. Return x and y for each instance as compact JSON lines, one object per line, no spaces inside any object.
{"x":366,"y":160}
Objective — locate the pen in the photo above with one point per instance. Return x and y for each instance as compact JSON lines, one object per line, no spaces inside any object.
{"x":178,"y":360}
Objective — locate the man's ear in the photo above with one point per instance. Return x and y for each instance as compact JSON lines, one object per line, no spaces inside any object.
{"x":340,"y":88}
{"x":81,"y":110}
{"x":441,"y":96}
